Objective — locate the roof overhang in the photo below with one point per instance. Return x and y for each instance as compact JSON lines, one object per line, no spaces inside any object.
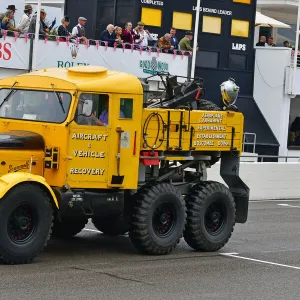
{"x":265,"y":21}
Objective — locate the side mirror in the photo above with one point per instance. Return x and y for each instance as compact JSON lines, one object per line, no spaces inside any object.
{"x":87,"y":108}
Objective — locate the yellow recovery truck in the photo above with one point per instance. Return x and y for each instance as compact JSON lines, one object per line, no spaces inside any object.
{"x":87,"y":143}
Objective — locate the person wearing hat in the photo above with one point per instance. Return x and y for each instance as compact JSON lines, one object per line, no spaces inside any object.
{"x":185,"y":43}
{"x":144,"y":35}
{"x":25,"y":20}
{"x":13,"y":8}
{"x":79,"y":30}
{"x":42,"y":32}
{"x":63,"y":31}
{"x":6,"y":23}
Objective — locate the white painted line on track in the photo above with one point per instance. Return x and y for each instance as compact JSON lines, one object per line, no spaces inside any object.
{"x":275,"y":200}
{"x":288,"y":205}
{"x":235,"y":255}
{"x":91,"y":230}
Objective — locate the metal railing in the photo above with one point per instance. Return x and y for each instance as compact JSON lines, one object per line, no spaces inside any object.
{"x":249,"y":143}
{"x":262,"y":157}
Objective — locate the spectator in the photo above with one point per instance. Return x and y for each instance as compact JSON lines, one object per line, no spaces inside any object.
{"x":174,"y":40}
{"x":46,"y":28}
{"x":144,"y":35}
{"x":262,"y":42}
{"x":286,"y":44}
{"x":63,"y":31}
{"x":165,"y":42}
{"x":6,"y":23}
{"x":109,"y":35}
{"x":13,"y":8}
{"x":79,"y":30}
{"x":42,"y":32}
{"x":271,"y":42}
{"x":185,"y":43}
{"x":25,"y":20}
{"x":128,"y":36}
{"x":118,"y":33}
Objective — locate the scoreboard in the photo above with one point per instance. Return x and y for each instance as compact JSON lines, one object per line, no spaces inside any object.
{"x":225,"y":40}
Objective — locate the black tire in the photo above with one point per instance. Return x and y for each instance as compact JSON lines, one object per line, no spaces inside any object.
{"x":207,"y":105}
{"x":26,"y":218}
{"x":158,"y":220}
{"x":210,"y":216}
{"x":68,"y":227}
{"x":113,"y":225}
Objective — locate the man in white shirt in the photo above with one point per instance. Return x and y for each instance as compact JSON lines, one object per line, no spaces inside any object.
{"x":145,"y":35}
{"x":79,"y":30}
{"x":25,"y":20}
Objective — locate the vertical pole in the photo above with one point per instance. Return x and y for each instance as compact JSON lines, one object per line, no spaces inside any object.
{"x":296,"y":51}
{"x":36,"y":40}
{"x":196,"y":38}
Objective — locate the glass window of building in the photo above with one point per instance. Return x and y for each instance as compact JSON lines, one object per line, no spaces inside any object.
{"x":151,"y":16}
{"x":182,"y":20}
{"x":211,"y":24}
{"x":240,"y":28}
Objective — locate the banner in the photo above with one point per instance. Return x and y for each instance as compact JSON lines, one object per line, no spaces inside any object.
{"x":14,"y":53}
{"x":139,"y":63}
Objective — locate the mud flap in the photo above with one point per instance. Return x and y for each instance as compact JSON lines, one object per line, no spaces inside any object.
{"x":230,"y":164}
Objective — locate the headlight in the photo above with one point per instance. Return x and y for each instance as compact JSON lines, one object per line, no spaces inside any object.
{"x":229,"y":91}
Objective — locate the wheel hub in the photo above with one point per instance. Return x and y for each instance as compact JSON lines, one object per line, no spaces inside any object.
{"x":215,"y":218}
{"x":163,"y":220}
{"x":22,"y":223}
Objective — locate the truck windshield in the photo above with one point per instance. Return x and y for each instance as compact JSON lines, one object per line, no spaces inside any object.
{"x":41,"y":106}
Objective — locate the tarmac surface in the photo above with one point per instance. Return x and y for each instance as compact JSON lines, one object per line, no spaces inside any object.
{"x":261,"y":261}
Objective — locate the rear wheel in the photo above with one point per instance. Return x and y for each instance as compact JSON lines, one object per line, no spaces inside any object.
{"x":210,"y":216}
{"x":26,"y":217}
{"x":158,"y":219}
{"x":68,"y":227}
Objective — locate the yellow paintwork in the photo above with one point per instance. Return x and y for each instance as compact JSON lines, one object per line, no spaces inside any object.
{"x":8,"y":181}
{"x":211,"y":133}
{"x":75,"y":141}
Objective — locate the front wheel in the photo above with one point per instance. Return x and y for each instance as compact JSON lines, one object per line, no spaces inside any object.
{"x":210,"y":216}
{"x":158,"y":219}
{"x":26,"y":217}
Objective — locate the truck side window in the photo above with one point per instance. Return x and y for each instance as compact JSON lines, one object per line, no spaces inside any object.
{"x":100,"y":110}
{"x":126,"y":108}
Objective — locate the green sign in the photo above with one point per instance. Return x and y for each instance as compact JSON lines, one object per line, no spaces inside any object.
{"x":154,"y":66}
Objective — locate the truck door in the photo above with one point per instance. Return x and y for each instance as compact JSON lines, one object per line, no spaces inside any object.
{"x":89,"y":144}
{"x":126,"y":118}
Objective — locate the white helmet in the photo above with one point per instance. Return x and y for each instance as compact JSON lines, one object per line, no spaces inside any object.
{"x":229,"y":91}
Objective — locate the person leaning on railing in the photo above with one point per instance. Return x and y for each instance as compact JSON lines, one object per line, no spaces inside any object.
{"x":62,"y":30}
{"x":42,"y":32}
{"x":164,"y":43}
{"x":6,"y":23}
{"x":25,"y":20}
{"x":185,"y":43}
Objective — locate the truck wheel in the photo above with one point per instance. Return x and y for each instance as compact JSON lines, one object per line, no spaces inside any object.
{"x":203,"y":104}
{"x":68,"y":227}
{"x":112,"y":226}
{"x":158,"y":219}
{"x":26,"y":217}
{"x":210,"y":216}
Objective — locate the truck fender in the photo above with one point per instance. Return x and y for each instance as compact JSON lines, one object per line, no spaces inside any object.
{"x":8,"y":181}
